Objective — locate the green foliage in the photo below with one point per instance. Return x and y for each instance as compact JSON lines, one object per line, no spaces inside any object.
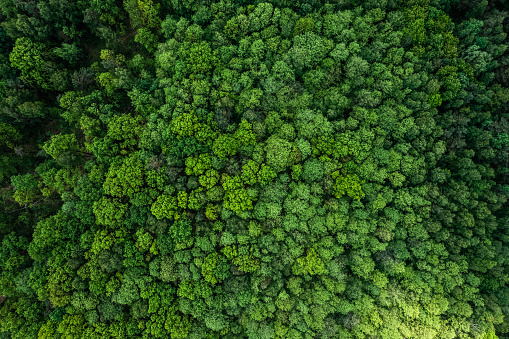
{"x":246,"y":263}
{"x":126,"y":129}
{"x":199,"y":57}
{"x":249,"y":171}
{"x":197,"y":199}
{"x":26,"y":187}
{"x":490,"y":335}
{"x":60,"y":144}
{"x":147,"y":39}
{"x":124,"y":179}
{"x":180,"y":230}
{"x":165,"y":206}
{"x":225,"y":145}
{"x":182,"y":199}
{"x":237,"y":198}
{"x":177,"y":325}
{"x":225,"y":169}
{"x":278,"y":153}
{"x":228,"y":145}
{"x":109,"y":212}
{"x":253,"y":173}
{"x":185,"y":125}
{"x":312,"y":170}
{"x":198,"y":165}
{"x":349,"y":184}
{"x":68,"y":52}
{"x":107,"y":80}
{"x":307,"y":49}
{"x":303,"y":25}
{"x":310,"y":264}
{"x":266,"y":175}
{"x":9,"y":135}
{"x":143,"y":13}
{"x":27,"y":57}
{"x":209,"y":179}
{"x":210,"y":265}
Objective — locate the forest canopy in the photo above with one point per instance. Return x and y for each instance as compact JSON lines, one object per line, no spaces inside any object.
{"x":265,"y":169}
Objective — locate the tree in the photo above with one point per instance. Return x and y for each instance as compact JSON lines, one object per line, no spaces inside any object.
{"x":26,"y":187}
{"x":311,"y":124}
{"x":180,"y":230}
{"x":312,"y":170}
{"x":69,"y":52}
{"x":177,"y":325}
{"x":12,"y":260}
{"x":198,"y":165}
{"x":60,"y":144}
{"x":308,"y":49}
{"x":109,"y":212}
{"x":147,"y":39}
{"x":9,"y":135}
{"x":199,"y":57}
{"x":209,"y":179}
{"x":165,"y":206}
{"x":225,"y":145}
{"x":185,"y":125}
{"x":246,"y":263}
{"x":237,"y":198}
{"x":143,"y":13}
{"x":349,"y":184}
{"x":125,"y":128}
{"x":126,"y":295}
{"x":249,"y":171}
{"x":216,"y":321}
{"x":278,"y":153}
{"x":125,"y":179}
{"x":210,"y":265}
{"x":27,"y":57}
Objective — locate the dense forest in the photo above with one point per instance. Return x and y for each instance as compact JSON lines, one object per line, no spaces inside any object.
{"x":254,"y":169}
